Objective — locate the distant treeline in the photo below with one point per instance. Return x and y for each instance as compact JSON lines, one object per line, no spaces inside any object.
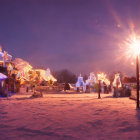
{"x":129,"y":80}
{"x":66,"y":76}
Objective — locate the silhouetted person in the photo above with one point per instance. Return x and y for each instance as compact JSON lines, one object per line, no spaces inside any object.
{"x":66,"y":87}
{"x":99,"y":89}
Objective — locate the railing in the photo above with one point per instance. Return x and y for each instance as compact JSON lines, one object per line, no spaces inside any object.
{"x":49,"y":88}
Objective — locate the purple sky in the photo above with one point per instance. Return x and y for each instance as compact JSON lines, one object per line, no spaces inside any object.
{"x":80,"y":35}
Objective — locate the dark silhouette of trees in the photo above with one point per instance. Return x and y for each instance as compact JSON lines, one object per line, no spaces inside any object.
{"x":129,"y":80}
{"x":85,"y":77}
{"x":65,"y":76}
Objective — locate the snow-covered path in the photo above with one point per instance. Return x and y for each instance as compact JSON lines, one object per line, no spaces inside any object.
{"x":69,"y":117}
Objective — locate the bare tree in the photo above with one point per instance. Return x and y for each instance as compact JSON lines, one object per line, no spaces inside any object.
{"x":65,"y":76}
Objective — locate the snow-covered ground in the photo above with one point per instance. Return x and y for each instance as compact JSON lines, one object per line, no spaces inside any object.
{"x":69,"y":117}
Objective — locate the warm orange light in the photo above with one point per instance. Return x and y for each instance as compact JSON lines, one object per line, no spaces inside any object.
{"x":134,"y":45}
{"x":102,"y":77}
{"x":107,"y":82}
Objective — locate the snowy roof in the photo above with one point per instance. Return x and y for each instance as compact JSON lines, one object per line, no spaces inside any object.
{"x":22,"y":65}
{"x":2,"y":77}
{"x":7,"y":56}
{"x":46,"y":75}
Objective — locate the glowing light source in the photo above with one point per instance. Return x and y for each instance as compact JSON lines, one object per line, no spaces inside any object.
{"x":134,"y":45}
{"x":117,"y":81}
{"x":102,"y":77}
{"x":135,"y":48}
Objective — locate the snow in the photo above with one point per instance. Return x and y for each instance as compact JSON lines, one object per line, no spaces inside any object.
{"x":69,"y":117}
{"x":22,"y":65}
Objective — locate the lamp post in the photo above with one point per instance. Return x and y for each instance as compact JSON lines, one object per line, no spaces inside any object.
{"x":101,"y":77}
{"x":99,"y":92}
{"x":134,"y":50}
{"x":137,"y":75}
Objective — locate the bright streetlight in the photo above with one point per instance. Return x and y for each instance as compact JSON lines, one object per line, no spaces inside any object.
{"x":134,"y":45}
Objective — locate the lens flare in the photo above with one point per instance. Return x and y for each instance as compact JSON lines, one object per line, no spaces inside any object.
{"x":132,"y":46}
{"x":135,"y":46}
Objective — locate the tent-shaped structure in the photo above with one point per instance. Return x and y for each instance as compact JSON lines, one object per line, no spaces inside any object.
{"x":4,"y":57}
{"x":91,"y":79}
{"x":2,"y":77}
{"x":46,"y":75}
{"x":117,"y":81}
{"x":80,"y":81}
{"x":23,"y":67}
